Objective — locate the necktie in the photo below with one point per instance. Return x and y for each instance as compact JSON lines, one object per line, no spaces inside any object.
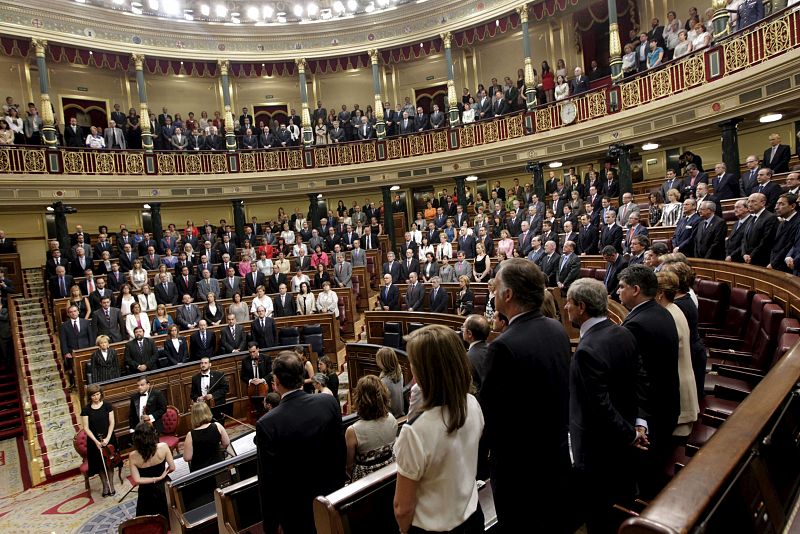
{"x":140,"y":346}
{"x":75,"y":327}
{"x":108,"y":316}
{"x":436,"y":290}
{"x":760,"y":188}
{"x":262,"y":324}
{"x":90,"y":286}
{"x":255,"y":368}
{"x":233,"y":331}
{"x":203,"y":338}
{"x":564,"y":262}
{"x":63,"y":287}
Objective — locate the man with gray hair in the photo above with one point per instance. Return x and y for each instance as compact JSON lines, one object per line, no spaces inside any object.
{"x":733,"y":244}
{"x":683,"y":238}
{"x":709,"y":240}
{"x":605,"y":372}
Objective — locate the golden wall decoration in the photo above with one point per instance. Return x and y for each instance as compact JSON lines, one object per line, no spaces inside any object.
{"x":5,"y":161}
{"x":345,"y":154}
{"x":660,"y":83}
{"x":736,"y":54}
{"x":247,"y":161}
{"x":295,"y":159}
{"x":73,"y":163}
{"x":416,"y":145}
{"x":104,"y":163}
{"x":694,"y":70}
{"x":218,"y":163}
{"x":166,"y":164}
{"x":544,"y":121}
{"x":134,"y":163}
{"x":321,"y":157}
{"x":490,"y":133}
{"x":272,"y":162}
{"x":776,"y":37}
{"x":439,"y":141}
{"x":515,"y":126}
{"x":466,"y":136}
{"x":597,"y":105}
{"x":34,"y":161}
{"x":394,"y":148}
{"x":630,"y":94}
{"x":193,"y":164}
{"x":367,"y":152}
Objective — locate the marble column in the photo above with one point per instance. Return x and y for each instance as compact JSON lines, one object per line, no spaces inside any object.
{"x":452,"y":99}
{"x":388,"y":217}
{"x":313,"y":209}
{"x":155,"y":220}
{"x":48,"y":132}
{"x":305,"y":117}
{"x":144,"y":112}
{"x":614,"y":43}
{"x":380,"y":124}
{"x":461,"y":191}
{"x":530,"y":83}
{"x":730,"y":144}
{"x":230,"y":135}
{"x":238,"y":218}
{"x":720,"y":19}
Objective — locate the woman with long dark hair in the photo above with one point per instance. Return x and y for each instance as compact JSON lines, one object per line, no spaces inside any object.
{"x":97,"y":417}
{"x":150,"y":463}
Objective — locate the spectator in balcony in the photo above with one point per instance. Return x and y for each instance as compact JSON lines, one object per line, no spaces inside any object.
{"x":6,"y":134}
{"x":671,"y":31}
{"x":483,"y":109}
{"x":580,"y":83}
{"x":320,"y":132}
{"x":702,"y":37}
{"x":16,"y":126}
{"x":655,"y":56}
{"x":629,"y":61}
{"x":468,"y":116}
{"x":33,"y":126}
{"x":94,"y":139}
{"x":437,"y":118}
{"x":561,"y":68}
{"x":421,"y":122}
{"x":562,"y":88}
{"x":365,"y":129}
{"x":167,"y":131}
{"x":294,"y":133}
{"x":266,"y":139}
{"x":203,"y":123}
{"x":249,"y":141}
{"x":642,"y":50}
{"x":500,"y":106}
{"x":684,"y":46}
{"x":548,"y":82}
{"x":692,"y":15}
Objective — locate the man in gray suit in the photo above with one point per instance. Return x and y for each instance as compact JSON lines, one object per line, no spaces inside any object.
{"x":108,"y":321}
{"x":232,"y":337}
{"x":358,"y":256}
{"x":414,"y":294}
{"x":207,"y":285}
{"x":231,"y":283}
{"x":113,"y":137}
{"x":179,"y":141}
{"x":462,"y":267}
{"x":342,"y":272}
{"x":188,"y":315}
{"x":437,"y":117}
{"x":475,"y":332}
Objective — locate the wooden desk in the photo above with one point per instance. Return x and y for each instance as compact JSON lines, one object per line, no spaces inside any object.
{"x":360,"y":359}
{"x":375,"y":320}
{"x":238,"y":506}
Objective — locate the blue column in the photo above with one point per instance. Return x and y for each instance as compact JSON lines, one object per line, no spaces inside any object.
{"x":230,"y":135}
{"x":380,"y":124}
{"x":452,"y":99}
{"x":46,"y":108}
{"x":144,"y":112}
{"x":305,"y":117}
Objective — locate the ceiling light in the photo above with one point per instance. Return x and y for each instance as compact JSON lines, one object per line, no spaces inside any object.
{"x":188,"y":16}
{"x":136,"y":10}
{"x":267,"y":11}
{"x":383,"y":3}
{"x":649,"y":146}
{"x":319,"y":196}
{"x":282,"y":19}
{"x":472,"y":178}
{"x":51,"y":208}
{"x":298,"y":10}
{"x":770,"y":117}
{"x":235,"y":20}
{"x":136,"y":4}
{"x":338,"y":6}
{"x":252,"y":13}
{"x":555,"y":164}
{"x":80,"y":1}
{"x":153,"y":4}
{"x":119,"y":2}
{"x":325,"y":14}
{"x":394,"y":188}
{"x":205,"y":10}
{"x":235,"y":14}
{"x":221,"y":10}
{"x":171,"y":7}
{"x":370,"y":8}
{"x":312,"y":9}
{"x":146,"y":206}
{"x":352,"y":5}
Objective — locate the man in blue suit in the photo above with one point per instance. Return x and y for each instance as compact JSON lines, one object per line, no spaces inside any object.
{"x":683,"y":238}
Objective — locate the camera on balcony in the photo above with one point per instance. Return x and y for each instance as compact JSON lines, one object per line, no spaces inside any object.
{"x":533,"y":167}
{"x":60,"y":207}
{"x":615,"y":151}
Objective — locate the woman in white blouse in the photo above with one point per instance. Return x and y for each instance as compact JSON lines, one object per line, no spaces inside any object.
{"x":468,"y":115}
{"x":444,"y":248}
{"x":126,"y":300}
{"x":328,"y":300}
{"x":94,"y":139}
{"x":299,"y":278}
{"x":15,"y":123}
{"x":287,"y":234}
{"x":135,"y":319}
{"x":416,"y":235}
{"x":261,"y":299}
{"x":424,"y":248}
{"x":702,"y":37}
{"x":683,"y":47}
{"x":162,"y":269}
{"x":299,"y":245}
{"x":671,"y":29}
{"x":147,"y":299}
{"x":562,"y":88}
{"x":137,"y":276}
{"x":264,"y":264}
{"x":305,"y":302}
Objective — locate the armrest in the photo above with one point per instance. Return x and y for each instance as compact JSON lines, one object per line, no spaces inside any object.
{"x":723,"y":342}
{"x":745,"y":358}
{"x":735,"y":371}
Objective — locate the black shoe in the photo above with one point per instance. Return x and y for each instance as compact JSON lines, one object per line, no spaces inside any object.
{"x":113,"y":492}
{"x":106,"y":494}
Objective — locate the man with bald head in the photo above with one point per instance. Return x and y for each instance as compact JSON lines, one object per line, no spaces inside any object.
{"x":759,"y":234}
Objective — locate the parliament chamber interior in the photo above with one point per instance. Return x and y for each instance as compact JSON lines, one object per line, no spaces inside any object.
{"x":371,"y":266}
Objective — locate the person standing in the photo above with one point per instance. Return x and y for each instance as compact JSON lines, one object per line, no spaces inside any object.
{"x":98,"y":423}
{"x":150,"y":463}
{"x":288,"y":438}
{"x":519,"y":293}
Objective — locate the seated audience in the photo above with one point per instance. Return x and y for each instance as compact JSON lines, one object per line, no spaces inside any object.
{"x":370,"y":439}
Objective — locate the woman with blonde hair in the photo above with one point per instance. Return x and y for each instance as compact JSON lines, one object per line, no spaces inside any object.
{"x":672,"y":209}
{"x":465,"y":297}
{"x":392,"y":377}
{"x":77,"y":299}
{"x":437,"y":455}
{"x":205,"y":443}
{"x":105,"y":363}
{"x":137,"y":276}
{"x":162,"y":321}
{"x":147,"y":299}
{"x":370,"y":439}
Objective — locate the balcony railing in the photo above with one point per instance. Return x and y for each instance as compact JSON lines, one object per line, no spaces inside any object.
{"x":769,"y":38}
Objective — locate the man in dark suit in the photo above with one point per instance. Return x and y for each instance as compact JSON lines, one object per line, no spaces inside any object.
{"x":185,"y":283}
{"x":749,"y":180}
{"x":587,"y":237}
{"x":604,"y":371}
{"x":203,"y":342}
{"x":475,"y":331}
{"x":709,"y":240}
{"x":410,"y":264}
{"x":144,"y":246}
{"x":75,"y":333}
{"x":256,"y":370}
{"x":611,"y":234}
{"x":466,"y":243}
{"x":108,"y":321}
{"x":500,"y":106}
{"x":634,"y":231}
{"x":759,"y":234}
{"x":580,"y":83}
{"x":150,"y":260}
{"x":393,"y":268}
{"x":777,"y":156}
{"x":389,"y":295}
{"x":126,"y":257}
{"x":283,"y":304}
{"x":56,"y":259}
{"x":60,"y":283}
{"x":73,"y":134}
{"x":672,"y":182}
{"x":147,"y":403}
{"x":421,"y":122}
{"x":289,"y":434}
{"x":438,"y":298}
{"x":767,"y":187}
{"x":725,"y":184}
{"x":232,"y":337}
{"x":693,"y":177}
{"x":231,"y":284}
{"x":414,"y":294}
{"x":166,"y":291}
{"x":253,"y":281}
{"x":733,"y":243}
{"x":549,"y":263}
{"x":520,"y":290}
{"x":611,"y":185}
{"x":683,"y":238}
{"x":702,"y":195}
{"x":210,"y":385}
{"x":187,"y":316}
{"x":140,"y":353}
{"x":263,"y":330}
{"x":569,"y":267}
{"x":524,"y":239}
{"x":615,"y":264}
{"x":786,"y":232}
{"x":657,"y":341}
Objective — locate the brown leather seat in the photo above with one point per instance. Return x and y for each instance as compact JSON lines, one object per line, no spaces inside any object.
{"x":713,"y":298}
{"x":587,"y":272}
{"x":741,"y":341}
{"x":479,"y":303}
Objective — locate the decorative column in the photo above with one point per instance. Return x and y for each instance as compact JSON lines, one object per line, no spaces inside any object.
{"x":720,"y":21}
{"x":625,"y":174}
{"x":730,"y":144}
{"x":230,"y":135}
{"x":62,"y":231}
{"x":238,"y":217}
{"x":313,"y":209}
{"x":530,"y":84}
{"x":380,"y":124}
{"x":452,"y":99}
{"x":614,"y":44}
{"x":45,"y":109}
{"x":305,"y":117}
{"x":388,"y":217}
{"x":144,"y":112}
{"x":155,"y":220}
{"x":461,"y":191}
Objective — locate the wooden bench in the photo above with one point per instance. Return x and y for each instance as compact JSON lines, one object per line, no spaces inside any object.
{"x":361,"y":360}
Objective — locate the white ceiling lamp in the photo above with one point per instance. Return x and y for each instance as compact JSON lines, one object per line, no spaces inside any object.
{"x":312,"y":9}
{"x":253,"y":13}
{"x":282,"y":18}
{"x":650,"y":146}
{"x":188,"y":16}
{"x":236,"y":20}
{"x":136,"y":10}
{"x":383,"y":3}
{"x":119,"y":2}
{"x":136,"y":4}
{"x":472,"y":178}
{"x":153,"y":4}
{"x":325,"y":14}
{"x":297,"y":10}
{"x":352,"y":5}
{"x":369,"y":8}
{"x":555,"y":164}
{"x":338,"y":6}
{"x":172,"y":7}
{"x":205,"y":10}
{"x":221,"y":10}
{"x":267,"y":11}
{"x":770,"y":117}
{"x":394,"y":188}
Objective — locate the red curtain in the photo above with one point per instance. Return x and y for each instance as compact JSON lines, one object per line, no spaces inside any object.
{"x":268,"y":113}
{"x":591,"y":25}
{"x":428,"y":96}
{"x":88,"y":112}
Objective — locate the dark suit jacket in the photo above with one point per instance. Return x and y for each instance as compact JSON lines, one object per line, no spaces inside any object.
{"x":115,"y":282}
{"x":168,"y":295}
{"x":547,"y":368}
{"x":147,"y":356}
{"x":232,"y":343}
{"x":759,"y":237}
{"x":156,"y":406}
{"x":264,"y":368}
{"x":198,"y":350}
{"x":439,"y":303}
{"x":174,"y":357}
{"x":683,"y":238}
{"x":549,"y":266}
{"x":265,"y":337}
{"x":710,"y":243}
{"x":467,"y":244}
{"x":477,"y":359}
{"x":74,"y":139}
{"x":415,"y":297}
{"x":726,"y":186}
{"x":587,"y":240}
{"x":183,"y":288}
{"x":413,"y":268}
{"x":284,"y":311}
{"x":250,"y":286}
{"x":112,"y":327}
{"x":286,"y":437}
{"x":785,"y":238}
{"x":677,"y":183}
{"x":612,"y":276}
{"x":571,"y":270}
{"x":274,"y":285}
{"x":395,"y":270}
{"x":611,"y":236}
{"x":749,"y":182}
{"x":579,"y":85}
{"x":70,"y":341}
{"x":611,"y":190}
{"x":604,"y":401}
{"x":390,"y":297}
{"x":217,"y":387}
{"x":780,"y":163}
{"x":55,"y":286}
{"x":733,"y":244}
{"x":772,"y":191}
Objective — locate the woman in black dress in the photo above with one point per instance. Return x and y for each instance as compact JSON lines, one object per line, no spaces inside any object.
{"x":150,"y":462}
{"x":98,"y":423}
{"x":105,"y":363}
{"x":321,"y":276}
{"x":465,"y":297}
{"x":204,"y":444}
